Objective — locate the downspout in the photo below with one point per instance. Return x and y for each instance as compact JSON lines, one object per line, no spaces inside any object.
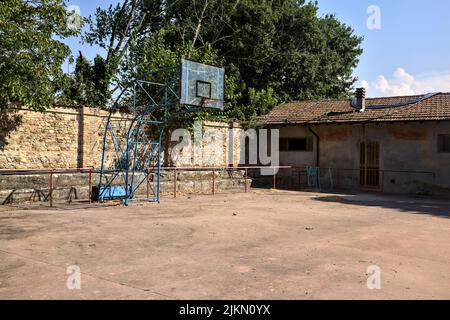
{"x":317,"y":146}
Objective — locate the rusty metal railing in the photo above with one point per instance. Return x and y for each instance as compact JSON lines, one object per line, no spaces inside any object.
{"x":91,"y":171}
{"x":281,"y":174}
{"x":51,"y":173}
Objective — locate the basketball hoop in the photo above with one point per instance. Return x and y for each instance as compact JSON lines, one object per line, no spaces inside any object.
{"x":202,"y":85}
{"x":206,"y":100}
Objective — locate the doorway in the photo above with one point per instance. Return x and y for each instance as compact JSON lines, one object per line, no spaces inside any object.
{"x":369,"y":172}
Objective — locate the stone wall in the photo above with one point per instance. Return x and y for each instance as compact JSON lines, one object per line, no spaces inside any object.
{"x":54,"y":136}
{"x":71,"y":137}
{"x":218,"y":144}
{"x":63,"y":137}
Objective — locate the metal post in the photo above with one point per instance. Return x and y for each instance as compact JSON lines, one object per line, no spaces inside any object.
{"x":148,"y":183}
{"x":158,"y":175}
{"x":90,"y":185}
{"x":175,"y":182}
{"x":51,"y":189}
{"x":337,"y":177}
{"x":213,"y":181}
{"x":274,"y":179}
{"x":245,"y":180}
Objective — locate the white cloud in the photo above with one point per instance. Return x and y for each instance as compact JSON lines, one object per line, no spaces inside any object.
{"x":404,"y":77}
{"x":365,"y":84}
{"x":381,"y":84}
{"x":402,"y":83}
{"x":403,"y":89}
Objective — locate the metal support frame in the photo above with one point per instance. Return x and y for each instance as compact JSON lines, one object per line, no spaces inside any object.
{"x":136,"y":142}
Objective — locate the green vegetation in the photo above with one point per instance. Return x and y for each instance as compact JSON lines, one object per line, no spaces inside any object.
{"x":88,"y":85}
{"x":273,"y":51}
{"x":31,"y":51}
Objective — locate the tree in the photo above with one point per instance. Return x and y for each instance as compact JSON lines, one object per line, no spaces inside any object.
{"x":88,"y":83}
{"x":118,"y":27}
{"x":31,"y":51}
{"x":281,"y":47}
{"x":261,"y":102}
{"x":279,"y":44}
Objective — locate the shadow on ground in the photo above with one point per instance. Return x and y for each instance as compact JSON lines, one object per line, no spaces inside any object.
{"x":414,"y":205}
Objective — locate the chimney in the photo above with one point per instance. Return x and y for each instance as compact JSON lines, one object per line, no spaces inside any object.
{"x":361,"y":99}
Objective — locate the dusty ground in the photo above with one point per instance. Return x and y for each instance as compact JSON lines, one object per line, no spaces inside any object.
{"x":260,"y":245}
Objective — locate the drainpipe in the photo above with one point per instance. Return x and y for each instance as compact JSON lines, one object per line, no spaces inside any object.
{"x":317,"y":146}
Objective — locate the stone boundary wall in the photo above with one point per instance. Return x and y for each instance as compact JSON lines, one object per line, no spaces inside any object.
{"x":62,"y":137}
{"x":72,"y":136}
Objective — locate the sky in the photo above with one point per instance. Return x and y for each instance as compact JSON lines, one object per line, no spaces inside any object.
{"x":406,"y":42}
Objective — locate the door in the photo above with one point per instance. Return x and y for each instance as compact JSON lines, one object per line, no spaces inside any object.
{"x":369,"y":164}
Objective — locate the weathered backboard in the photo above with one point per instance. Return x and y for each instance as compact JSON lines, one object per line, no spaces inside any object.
{"x":202,"y":85}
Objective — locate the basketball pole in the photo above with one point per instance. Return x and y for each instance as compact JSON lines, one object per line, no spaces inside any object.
{"x":186,"y":88}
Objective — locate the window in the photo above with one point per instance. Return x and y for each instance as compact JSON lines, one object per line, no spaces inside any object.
{"x":296,"y":144}
{"x":444,"y":143}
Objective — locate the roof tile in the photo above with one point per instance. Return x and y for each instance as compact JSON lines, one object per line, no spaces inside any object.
{"x":405,"y":108}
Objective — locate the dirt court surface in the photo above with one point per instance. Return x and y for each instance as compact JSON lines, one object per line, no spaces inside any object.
{"x":259,"y":245}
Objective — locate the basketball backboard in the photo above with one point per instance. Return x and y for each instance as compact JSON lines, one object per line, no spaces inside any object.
{"x":202,"y":85}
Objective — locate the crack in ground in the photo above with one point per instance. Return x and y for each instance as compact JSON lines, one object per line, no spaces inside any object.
{"x":91,"y":275}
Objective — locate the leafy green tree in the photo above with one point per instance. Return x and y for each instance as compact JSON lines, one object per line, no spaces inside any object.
{"x":118,"y":28}
{"x":273,"y":50}
{"x":88,"y":84}
{"x":261,"y":102}
{"x":31,"y":51}
{"x":281,"y":44}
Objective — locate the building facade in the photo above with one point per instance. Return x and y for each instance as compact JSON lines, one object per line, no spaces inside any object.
{"x":395,"y":145}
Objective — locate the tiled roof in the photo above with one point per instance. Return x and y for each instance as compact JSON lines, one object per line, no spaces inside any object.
{"x":407,"y":108}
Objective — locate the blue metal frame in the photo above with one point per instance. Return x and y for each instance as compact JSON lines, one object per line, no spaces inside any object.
{"x":107,"y":190}
{"x":137,"y":156}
